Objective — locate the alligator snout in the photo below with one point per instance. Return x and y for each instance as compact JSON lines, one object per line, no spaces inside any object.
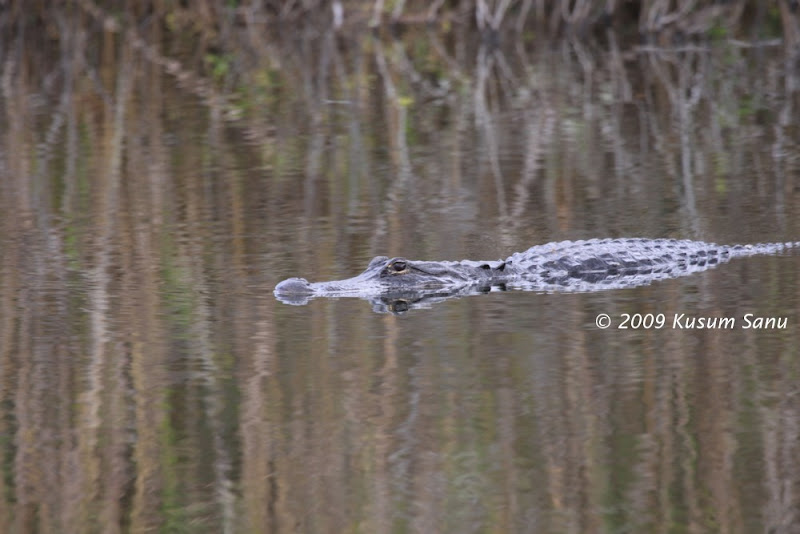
{"x":294,"y":286}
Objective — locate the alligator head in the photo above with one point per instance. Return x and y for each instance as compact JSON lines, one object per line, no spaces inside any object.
{"x":399,"y":277}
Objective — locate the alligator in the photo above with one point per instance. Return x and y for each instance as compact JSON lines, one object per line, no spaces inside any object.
{"x":397,"y":284}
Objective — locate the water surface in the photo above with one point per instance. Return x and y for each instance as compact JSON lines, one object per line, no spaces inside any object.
{"x":149,"y":380}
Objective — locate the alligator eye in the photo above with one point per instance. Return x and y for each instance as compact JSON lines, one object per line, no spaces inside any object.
{"x":398,"y":266}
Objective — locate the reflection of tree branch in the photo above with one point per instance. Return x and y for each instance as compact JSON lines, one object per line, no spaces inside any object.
{"x":523,"y":16}
{"x":399,"y":147}
{"x":401,"y":143}
{"x":506,"y":77}
{"x":434,"y":10}
{"x":579,"y":14}
{"x":684,"y":97}
{"x":377,"y":13}
{"x":791,"y":27}
{"x":455,"y":69}
{"x":484,"y":123}
{"x":486,"y":19}
{"x":206,"y":372}
{"x":617,"y":69}
{"x":783,"y":146}
{"x":406,"y":67}
{"x":539,"y":132}
{"x":100,"y":295}
{"x":398,"y":10}
{"x":314,"y":76}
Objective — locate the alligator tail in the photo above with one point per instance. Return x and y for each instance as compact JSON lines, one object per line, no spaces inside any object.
{"x":766,"y":248}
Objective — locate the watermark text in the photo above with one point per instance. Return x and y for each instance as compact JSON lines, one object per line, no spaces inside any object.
{"x":685,"y":321}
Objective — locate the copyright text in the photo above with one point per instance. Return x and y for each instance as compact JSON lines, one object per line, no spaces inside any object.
{"x":683,"y":321}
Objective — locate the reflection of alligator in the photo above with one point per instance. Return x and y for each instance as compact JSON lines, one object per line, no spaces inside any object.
{"x":597,"y":264}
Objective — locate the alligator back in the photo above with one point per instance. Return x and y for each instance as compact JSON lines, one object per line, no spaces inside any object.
{"x":637,"y":256}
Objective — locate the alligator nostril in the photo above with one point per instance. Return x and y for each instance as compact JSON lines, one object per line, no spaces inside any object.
{"x":294,"y":286}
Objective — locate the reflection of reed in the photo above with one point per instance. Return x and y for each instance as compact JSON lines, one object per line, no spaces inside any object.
{"x":104,"y":353}
{"x":684,"y":95}
{"x":148,"y":381}
{"x":396,"y":112}
{"x":486,"y":60}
